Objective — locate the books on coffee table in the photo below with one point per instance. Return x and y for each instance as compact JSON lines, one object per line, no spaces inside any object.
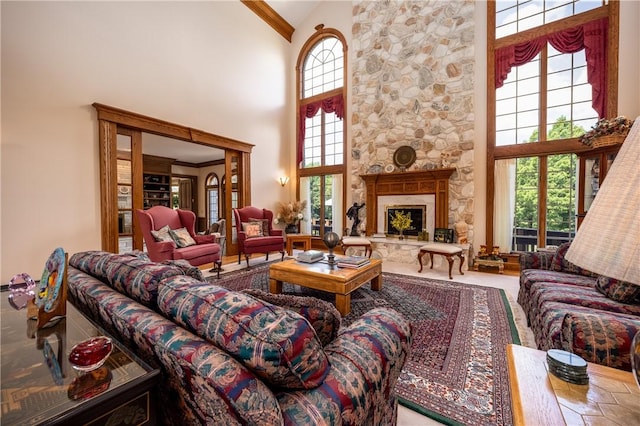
{"x":352,"y":261}
{"x":310,"y":256}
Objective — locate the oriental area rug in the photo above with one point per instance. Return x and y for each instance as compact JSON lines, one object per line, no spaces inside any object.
{"x":457,"y":370}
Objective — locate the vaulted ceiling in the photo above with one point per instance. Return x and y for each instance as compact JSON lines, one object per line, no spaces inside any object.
{"x":282,"y":15}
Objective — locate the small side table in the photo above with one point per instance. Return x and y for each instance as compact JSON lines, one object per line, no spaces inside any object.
{"x":538,"y":397}
{"x":489,"y":263}
{"x":292,"y":239}
{"x":39,"y":386}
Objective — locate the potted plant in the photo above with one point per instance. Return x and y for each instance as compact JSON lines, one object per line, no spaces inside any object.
{"x":401,"y":221}
{"x":290,"y":214}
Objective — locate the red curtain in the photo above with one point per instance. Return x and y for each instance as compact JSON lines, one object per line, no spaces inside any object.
{"x":333,"y":104}
{"x":591,"y":36}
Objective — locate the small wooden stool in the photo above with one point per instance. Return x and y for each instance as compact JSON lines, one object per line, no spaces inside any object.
{"x":356,"y":242}
{"x":446,"y":250}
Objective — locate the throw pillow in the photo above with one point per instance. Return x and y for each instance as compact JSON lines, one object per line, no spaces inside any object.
{"x":252,"y":229}
{"x":213,"y":228}
{"x":182,"y":237}
{"x":620,"y":291}
{"x":560,"y":264}
{"x":162,"y":234}
{"x":131,"y":274}
{"x":186,"y":267}
{"x":323,"y":316}
{"x":265,"y":224}
{"x":278,"y":345}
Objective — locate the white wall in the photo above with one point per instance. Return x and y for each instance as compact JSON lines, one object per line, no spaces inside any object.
{"x":214,"y":66}
{"x":629,"y":60}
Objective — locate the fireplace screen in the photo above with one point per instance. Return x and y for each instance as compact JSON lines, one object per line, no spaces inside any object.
{"x":417,"y":214}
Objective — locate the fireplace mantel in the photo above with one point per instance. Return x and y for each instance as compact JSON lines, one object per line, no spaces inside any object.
{"x":434,"y":181}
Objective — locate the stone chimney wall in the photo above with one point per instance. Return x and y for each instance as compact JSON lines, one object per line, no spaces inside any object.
{"x":413,"y":81}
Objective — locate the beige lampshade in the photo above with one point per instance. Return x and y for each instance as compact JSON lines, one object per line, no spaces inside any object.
{"x":608,"y":241}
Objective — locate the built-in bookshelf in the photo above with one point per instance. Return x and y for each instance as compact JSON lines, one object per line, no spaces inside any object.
{"x":157,"y":190}
{"x":156,"y":181}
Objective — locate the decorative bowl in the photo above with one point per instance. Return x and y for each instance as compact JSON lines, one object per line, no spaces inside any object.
{"x":91,"y":353}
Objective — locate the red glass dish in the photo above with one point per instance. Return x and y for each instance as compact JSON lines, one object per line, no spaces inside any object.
{"x":91,"y":353}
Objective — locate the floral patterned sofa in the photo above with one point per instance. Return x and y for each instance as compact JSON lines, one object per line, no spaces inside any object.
{"x":571,"y":308}
{"x":231,"y":358}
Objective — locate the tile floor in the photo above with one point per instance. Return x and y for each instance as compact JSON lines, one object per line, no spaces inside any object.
{"x":509,"y":283}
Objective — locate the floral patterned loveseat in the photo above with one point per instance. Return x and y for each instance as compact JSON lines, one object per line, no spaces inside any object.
{"x":231,"y":358}
{"x":571,"y":308}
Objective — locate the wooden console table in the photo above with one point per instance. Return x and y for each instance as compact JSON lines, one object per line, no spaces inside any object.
{"x":540,"y":398}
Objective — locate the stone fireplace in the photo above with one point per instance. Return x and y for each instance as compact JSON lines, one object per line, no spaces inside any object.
{"x":414,"y":81}
{"x":424,"y":187}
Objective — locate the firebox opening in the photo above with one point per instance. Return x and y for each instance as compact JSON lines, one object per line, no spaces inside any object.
{"x":416,"y":213}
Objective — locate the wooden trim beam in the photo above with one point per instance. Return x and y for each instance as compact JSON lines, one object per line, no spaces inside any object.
{"x":271,"y":17}
{"x":147,"y":124}
{"x":567,"y":146}
{"x":108,"y":181}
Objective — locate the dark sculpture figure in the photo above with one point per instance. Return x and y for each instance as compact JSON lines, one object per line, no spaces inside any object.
{"x":352,"y":214}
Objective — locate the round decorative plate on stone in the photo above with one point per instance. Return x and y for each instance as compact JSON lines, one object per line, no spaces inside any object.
{"x":404,"y":156}
{"x":91,"y":353}
{"x":389,"y":168}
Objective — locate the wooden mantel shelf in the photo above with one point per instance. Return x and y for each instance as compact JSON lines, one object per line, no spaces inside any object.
{"x":435,"y":181}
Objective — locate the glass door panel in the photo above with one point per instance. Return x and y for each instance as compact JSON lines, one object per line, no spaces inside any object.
{"x":125,"y":194}
{"x":591,"y":181}
{"x":324,"y":204}
{"x":526,"y":212}
{"x":561,"y":199}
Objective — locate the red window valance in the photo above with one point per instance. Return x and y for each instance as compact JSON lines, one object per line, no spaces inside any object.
{"x":333,"y":104}
{"x":591,"y":36}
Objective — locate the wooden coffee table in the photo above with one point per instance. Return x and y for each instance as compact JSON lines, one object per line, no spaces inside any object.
{"x":319,"y":276}
{"x":540,"y":398}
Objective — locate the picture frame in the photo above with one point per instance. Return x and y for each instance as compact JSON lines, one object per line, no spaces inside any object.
{"x":443,"y":235}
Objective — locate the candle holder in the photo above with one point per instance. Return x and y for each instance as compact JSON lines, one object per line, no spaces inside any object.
{"x":331,"y":240}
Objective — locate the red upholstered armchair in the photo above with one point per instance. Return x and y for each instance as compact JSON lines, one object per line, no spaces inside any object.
{"x":157,"y":218}
{"x":248,"y":242}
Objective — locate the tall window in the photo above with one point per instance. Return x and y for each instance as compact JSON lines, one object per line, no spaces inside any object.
{"x":320,"y":152}
{"x":550,"y":60}
{"x":212,"y":190}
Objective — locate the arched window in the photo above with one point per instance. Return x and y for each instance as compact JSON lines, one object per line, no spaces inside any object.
{"x":212,"y":194}
{"x":320,"y":152}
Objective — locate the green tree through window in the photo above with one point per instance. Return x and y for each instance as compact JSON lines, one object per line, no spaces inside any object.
{"x":561,"y":184}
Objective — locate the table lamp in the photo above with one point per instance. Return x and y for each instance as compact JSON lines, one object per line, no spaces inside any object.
{"x":607,"y":241}
{"x":331,"y":240}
